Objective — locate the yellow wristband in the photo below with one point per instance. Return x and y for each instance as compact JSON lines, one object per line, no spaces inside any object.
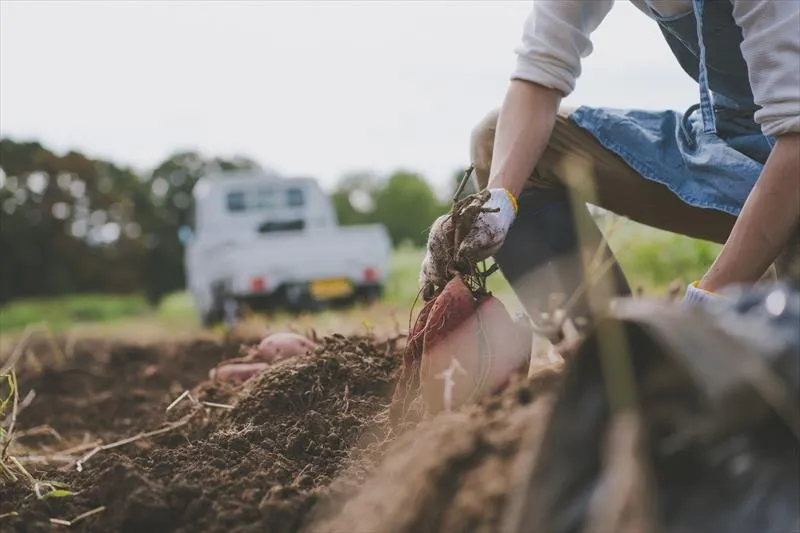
{"x":695,"y":285}
{"x":513,"y":201}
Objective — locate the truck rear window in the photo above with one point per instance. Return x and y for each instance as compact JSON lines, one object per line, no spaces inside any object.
{"x":236,"y":201}
{"x":263,"y":199}
{"x":294,"y":197}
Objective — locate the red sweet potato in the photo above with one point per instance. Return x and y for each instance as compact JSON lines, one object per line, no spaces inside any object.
{"x":237,"y":371}
{"x":471,"y":347}
{"x":282,"y":345}
{"x":271,"y":349}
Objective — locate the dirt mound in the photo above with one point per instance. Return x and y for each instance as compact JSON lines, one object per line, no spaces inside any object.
{"x":695,"y":431}
{"x":453,"y":472}
{"x":258,"y":466}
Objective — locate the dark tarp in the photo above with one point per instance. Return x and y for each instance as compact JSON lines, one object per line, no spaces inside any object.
{"x":713,"y":435}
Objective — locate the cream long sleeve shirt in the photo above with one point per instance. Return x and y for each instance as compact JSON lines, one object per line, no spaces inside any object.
{"x":557,"y":37}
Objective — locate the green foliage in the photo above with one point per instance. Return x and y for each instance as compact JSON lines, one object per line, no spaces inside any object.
{"x":62,"y":311}
{"x":6,"y":393}
{"x":408,"y":207}
{"x":354,"y":198}
{"x":653,"y":259}
{"x":57,"y":212}
{"x":72,"y":225}
{"x":58,"y":493}
{"x":176,"y":307}
{"x":402,"y":283}
{"x":404,"y":203}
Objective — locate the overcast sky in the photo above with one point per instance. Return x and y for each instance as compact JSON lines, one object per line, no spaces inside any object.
{"x":307,"y":88}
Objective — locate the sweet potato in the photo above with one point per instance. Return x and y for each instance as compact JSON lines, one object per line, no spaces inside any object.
{"x":271,"y":349}
{"x":471,"y":346}
{"x":282,"y":345}
{"x":460,"y":348}
{"x":237,"y":371}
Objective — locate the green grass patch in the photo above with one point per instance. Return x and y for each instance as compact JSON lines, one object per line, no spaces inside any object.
{"x":401,"y":285}
{"x":176,"y":307}
{"x":61,"y":312}
{"x":653,"y":259}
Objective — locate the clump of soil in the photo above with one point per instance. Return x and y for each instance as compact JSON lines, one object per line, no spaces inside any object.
{"x":453,"y":472}
{"x":258,"y":466}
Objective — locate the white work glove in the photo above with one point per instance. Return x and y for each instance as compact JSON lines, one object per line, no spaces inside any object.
{"x":483,"y":240}
{"x":695,"y":295}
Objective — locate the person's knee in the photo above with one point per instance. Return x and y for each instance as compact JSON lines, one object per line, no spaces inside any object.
{"x":481,"y":143}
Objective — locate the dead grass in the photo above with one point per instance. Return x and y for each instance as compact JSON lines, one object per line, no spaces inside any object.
{"x":14,"y":455}
{"x":82,"y":516}
{"x":12,"y":470}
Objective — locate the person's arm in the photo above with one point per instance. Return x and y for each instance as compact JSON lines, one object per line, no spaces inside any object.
{"x":556,"y":37}
{"x":771,"y":214}
{"x":767,"y":221}
{"x":523,"y":129}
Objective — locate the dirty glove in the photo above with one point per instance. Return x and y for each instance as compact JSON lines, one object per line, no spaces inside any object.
{"x":483,"y":240}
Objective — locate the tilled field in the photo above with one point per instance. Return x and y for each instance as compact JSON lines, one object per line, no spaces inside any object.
{"x":306,"y":446}
{"x":652,"y":433}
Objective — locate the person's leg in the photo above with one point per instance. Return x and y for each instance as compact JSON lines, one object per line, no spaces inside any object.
{"x":541,"y":253}
{"x":540,"y":256}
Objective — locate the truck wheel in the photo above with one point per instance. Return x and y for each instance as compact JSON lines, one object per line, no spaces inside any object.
{"x":370,"y":295}
{"x":207,"y":320}
{"x":215,"y":313}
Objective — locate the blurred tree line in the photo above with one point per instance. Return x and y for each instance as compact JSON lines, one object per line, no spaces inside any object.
{"x":404,"y":202}
{"x":71,"y":224}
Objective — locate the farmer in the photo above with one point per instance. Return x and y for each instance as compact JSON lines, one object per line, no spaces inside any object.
{"x":727,"y":170}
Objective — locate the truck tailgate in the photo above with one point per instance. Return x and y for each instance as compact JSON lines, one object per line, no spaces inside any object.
{"x":351,"y":252}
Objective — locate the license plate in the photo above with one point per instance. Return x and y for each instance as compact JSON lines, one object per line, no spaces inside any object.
{"x":326,"y":289}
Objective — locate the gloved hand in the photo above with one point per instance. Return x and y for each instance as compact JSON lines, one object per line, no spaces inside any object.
{"x":695,"y":295}
{"x":482,"y":241}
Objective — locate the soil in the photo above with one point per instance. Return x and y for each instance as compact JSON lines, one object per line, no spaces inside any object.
{"x":454,"y":472}
{"x":308,"y":446}
{"x":256,"y":467}
{"x":283,"y":452}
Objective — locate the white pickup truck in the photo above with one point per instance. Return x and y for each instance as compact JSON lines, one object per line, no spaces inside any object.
{"x":273,"y":242}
